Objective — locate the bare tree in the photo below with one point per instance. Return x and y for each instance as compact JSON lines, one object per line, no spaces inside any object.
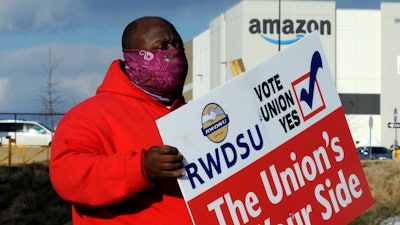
{"x":50,"y":98}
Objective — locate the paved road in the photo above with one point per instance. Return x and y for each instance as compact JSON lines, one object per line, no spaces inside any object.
{"x":395,"y":220}
{"x":391,"y":221}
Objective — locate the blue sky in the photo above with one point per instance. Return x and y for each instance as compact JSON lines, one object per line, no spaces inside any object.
{"x":83,"y":37}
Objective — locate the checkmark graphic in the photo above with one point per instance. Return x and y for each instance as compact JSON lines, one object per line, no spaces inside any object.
{"x":308,"y":95}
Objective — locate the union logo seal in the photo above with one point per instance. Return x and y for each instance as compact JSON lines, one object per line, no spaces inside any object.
{"x":215,"y":122}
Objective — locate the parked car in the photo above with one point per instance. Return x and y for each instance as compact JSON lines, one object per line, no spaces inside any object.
{"x":25,"y":132}
{"x":378,"y":152}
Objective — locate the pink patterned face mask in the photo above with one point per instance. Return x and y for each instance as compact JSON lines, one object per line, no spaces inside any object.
{"x":160,"y":73}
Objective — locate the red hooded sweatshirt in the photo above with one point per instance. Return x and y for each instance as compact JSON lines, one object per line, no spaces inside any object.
{"x":96,"y":158}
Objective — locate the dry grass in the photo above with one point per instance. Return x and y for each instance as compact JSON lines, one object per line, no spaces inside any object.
{"x":384,"y":180}
{"x":27,"y":197}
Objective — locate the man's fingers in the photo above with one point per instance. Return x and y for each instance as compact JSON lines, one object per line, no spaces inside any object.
{"x":166,"y":149}
{"x":171,"y":159}
{"x":163,"y":161}
{"x":172,"y":174}
{"x":171,"y":166}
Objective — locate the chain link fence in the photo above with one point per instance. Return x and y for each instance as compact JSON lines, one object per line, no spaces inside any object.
{"x":22,"y":144}
{"x":50,"y":120}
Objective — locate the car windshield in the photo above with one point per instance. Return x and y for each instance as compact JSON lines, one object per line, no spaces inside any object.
{"x":375,"y":150}
{"x":46,"y":127}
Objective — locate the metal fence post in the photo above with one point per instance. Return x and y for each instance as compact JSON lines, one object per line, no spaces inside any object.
{"x":10,"y":140}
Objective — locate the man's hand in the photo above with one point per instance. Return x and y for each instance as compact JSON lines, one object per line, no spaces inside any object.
{"x":162,"y":161}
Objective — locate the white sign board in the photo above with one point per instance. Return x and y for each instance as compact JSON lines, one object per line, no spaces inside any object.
{"x":271,"y":146}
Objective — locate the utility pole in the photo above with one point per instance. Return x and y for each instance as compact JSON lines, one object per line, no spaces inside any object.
{"x":279,"y":27}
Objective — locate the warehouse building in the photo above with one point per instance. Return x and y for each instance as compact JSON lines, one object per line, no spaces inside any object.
{"x":362,"y":47}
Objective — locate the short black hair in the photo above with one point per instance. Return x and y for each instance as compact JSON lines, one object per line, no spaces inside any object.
{"x":127,"y":34}
{"x":133,"y":26}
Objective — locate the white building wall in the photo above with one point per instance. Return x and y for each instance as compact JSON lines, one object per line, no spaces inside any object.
{"x":234,"y":36}
{"x":218,"y":61}
{"x":362,"y":51}
{"x":201,"y":64}
{"x":390,"y":80}
{"x":358,"y":63}
{"x":241,"y":43}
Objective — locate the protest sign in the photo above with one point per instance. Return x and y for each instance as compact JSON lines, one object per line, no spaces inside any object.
{"x":271,"y":146}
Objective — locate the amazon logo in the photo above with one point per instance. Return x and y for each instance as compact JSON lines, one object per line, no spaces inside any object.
{"x":298,"y":28}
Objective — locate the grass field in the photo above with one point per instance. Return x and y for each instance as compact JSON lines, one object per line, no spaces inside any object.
{"x":384,"y":180}
{"x":27,"y":197}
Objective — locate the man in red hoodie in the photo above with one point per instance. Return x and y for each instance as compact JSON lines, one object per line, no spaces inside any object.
{"x":107,"y":158}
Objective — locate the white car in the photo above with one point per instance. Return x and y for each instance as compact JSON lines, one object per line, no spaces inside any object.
{"x":25,"y":132}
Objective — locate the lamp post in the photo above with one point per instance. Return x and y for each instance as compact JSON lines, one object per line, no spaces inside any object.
{"x":370,"y":136}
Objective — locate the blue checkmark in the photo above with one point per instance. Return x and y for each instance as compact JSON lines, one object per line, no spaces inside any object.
{"x":308,"y":95}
